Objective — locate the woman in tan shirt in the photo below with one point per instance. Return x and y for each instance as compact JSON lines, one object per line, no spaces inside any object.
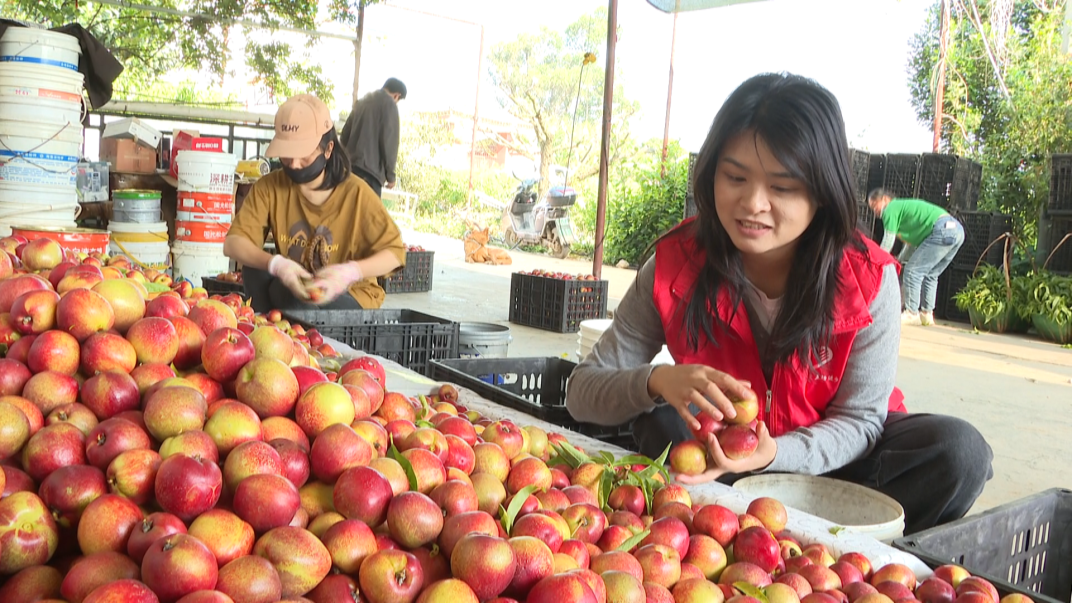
{"x":333,"y":234}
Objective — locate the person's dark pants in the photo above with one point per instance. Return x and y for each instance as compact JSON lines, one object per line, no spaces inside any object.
{"x":372,"y":181}
{"x":935,"y":466}
{"x":268,"y":293}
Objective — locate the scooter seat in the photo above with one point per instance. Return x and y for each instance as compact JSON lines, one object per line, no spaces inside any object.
{"x":520,"y":209}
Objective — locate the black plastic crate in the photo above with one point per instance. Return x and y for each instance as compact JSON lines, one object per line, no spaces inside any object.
{"x":1061,"y":183}
{"x":981,"y":228}
{"x":860,"y":162}
{"x":410,"y":338}
{"x":1062,"y":260}
{"x":950,"y":283}
{"x":215,"y":286}
{"x":935,"y":180}
{"x":876,"y":172}
{"x":865,"y":220}
{"x":967,"y":180}
{"x":1022,"y":547}
{"x":901,"y":175}
{"x":534,"y":386}
{"x":415,"y":277}
{"x":554,"y":304}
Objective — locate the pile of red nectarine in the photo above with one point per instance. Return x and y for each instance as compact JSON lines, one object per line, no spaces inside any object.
{"x":188,"y":450}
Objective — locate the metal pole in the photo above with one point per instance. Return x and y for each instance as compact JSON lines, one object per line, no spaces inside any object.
{"x":476,"y":120}
{"x":604,"y":150}
{"x":939,"y":94}
{"x":669,"y":95}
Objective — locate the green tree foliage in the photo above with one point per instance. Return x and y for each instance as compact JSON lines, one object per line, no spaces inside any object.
{"x":150,"y":44}
{"x":647,"y":203}
{"x":537,"y":77}
{"x":991,"y":51}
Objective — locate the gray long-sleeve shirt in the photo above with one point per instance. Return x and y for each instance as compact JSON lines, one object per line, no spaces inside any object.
{"x":610,"y":386}
{"x":371,"y":134}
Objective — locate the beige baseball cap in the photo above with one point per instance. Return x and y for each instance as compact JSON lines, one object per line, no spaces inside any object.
{"x":299,"y":125}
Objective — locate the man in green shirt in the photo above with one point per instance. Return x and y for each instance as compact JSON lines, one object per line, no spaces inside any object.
{"x":936,"y":237}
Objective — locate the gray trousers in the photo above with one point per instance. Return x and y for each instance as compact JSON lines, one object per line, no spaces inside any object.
{"x":934,"y":465}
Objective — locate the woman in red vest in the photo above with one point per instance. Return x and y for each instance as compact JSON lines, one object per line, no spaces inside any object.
{"x":772,"y":289}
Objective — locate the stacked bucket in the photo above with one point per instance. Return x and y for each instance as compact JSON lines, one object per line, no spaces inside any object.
{"x":205,"y":208}
{"x":40,"y":128}
{"x":137,"y":230}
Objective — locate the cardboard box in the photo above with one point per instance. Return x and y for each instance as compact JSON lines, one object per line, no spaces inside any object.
{"x":191,"y":140}
{"x":135,"y":129}
{"x":126,"y":155}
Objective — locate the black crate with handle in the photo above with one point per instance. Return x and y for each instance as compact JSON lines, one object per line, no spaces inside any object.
{"x":412,"y":339}
{"x":967,"y":180}
{"x":1060,"y":257}
{"x":936,"y":175}
{"x":950,"y":283}
{"x":216,"y":286}
{"x":861,"y":167}
{"x":556,"y":304}
{"x":901,"y":174}
{"x":1061,"y":184}
{"x":1021,"y":547}
{"x":415,"y":276}
{"x":876,"y":172}
{"x":981,"y":228}
{"x":534,"y":386}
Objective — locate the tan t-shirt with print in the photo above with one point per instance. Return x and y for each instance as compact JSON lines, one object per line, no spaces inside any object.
{"x":351,"y":225}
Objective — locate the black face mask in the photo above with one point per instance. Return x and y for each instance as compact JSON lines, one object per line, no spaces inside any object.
{"x":308,"y":173}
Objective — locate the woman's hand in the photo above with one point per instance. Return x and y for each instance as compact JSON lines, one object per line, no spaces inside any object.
{"x":290,"y":273}
{"x":332,"y":281}
{"x":720,"y":464}
{"x":710,"y":390}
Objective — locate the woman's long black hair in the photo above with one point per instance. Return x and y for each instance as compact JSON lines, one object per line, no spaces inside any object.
{"x":801,"y":123}
{"x":338,"y":166}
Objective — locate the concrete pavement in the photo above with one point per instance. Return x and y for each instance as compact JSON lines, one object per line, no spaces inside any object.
{"x":1016,"y":390}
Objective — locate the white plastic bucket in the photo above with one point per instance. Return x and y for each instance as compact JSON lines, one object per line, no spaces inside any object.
{"x":854,"y":507}
{"x":33,"y":196}
{"x":39,"y":154}
{"x":53,"y":219}
{"x":48,"y":111}
{"x":206,"y":172}
{"x":483,"y":340}
{"x":191,"y":261}
{"x":35,"y":46}
{"x":40,"y":81}
{"x":145,"y":244}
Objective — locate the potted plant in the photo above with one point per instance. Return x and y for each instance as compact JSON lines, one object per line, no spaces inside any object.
{"x":988,"y":300}
{"x":1050,"y":306}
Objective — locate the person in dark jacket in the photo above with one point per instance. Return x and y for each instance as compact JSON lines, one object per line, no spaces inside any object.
{"x":370,"y":135}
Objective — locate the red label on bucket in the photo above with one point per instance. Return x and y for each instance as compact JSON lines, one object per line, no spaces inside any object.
{"x":209,"y":203}
{"x":201,"y":232}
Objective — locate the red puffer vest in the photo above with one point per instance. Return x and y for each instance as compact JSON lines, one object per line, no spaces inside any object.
{"x":797,"y":396}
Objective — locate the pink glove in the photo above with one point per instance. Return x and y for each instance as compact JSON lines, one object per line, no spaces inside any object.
{"x":332,"y":281}
{"x":291,"y":274}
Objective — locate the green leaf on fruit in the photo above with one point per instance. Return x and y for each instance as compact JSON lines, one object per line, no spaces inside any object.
{"x":423,"y":423}
{"x":557,"y":461}
{"x":606,"y":484}
{"x":649,"y":493}
{"x":837,"y":530}
{"x":750,"y":590}
{"x":508,"y":515}
{"x":661,"y":461}
{"x":606,"y":457}
{"x":575,"y":458}
{"x":407,"y":466}
{"x":632,"y":543}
